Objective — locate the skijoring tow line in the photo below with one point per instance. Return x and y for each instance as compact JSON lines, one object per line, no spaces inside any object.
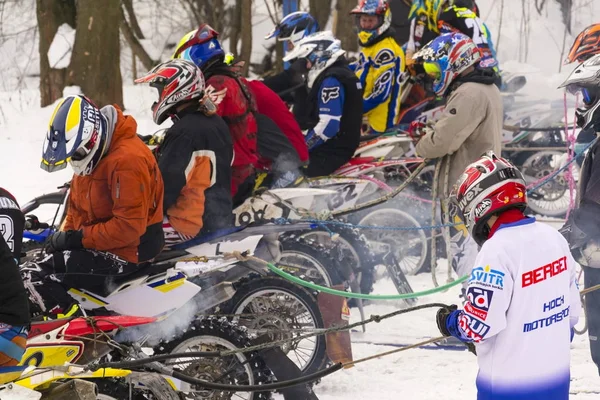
{"x":152,"y":362}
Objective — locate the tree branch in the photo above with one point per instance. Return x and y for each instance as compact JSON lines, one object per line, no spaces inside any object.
{"x":134,"y":43}
{"x":135,"y":26}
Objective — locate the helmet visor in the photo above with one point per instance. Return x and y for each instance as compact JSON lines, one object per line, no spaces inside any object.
{"x":433,"y":70}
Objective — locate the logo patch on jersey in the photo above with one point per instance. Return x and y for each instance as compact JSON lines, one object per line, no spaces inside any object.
{"x":544,"y":272}
{"x":487,"y":277}
{"x":382,"y":83}
{"x":479,"y":302}
{"x":472,"y":327}
{"x":330,"y":93}
{"x":385,"y":56}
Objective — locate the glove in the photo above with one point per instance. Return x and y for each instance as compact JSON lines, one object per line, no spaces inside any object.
{"x":442,"y":318}
{"x":416,"y":130}
{"x":299,"y":67}
{"x":32,"y":223}
{"x":69,"y":240}
{"x":298,"y":71}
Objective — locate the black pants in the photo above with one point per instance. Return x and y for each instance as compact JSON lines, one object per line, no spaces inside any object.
{"x":591,"y":277}
{"x":80,"y":269}
{"x":324,"y":164}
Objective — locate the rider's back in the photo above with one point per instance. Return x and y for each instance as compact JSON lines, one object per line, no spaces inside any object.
{"x":271,"y":105}
{"x":236,"y":109}
{"x":195,"y":161}
{"x":106,"y":203}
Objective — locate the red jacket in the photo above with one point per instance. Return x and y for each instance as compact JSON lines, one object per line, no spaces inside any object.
{"x":271,"y":105}
{"x":235,"y":110}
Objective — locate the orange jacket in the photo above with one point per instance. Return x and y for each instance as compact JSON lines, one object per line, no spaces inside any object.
{"x":119,"y":206}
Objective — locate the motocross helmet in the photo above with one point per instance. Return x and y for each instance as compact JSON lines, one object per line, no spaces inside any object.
{"x":585,"y":79}
{"x":177,"y":81}
{"x":201,"y":46}
{"x":586,"y":45}
{"x":77,"y":134}
{"x":377,"y":8}
{"x":294,"y":27}
{"x":446,"y":57}
{"x":322,"y":49}
{"x":488,"y":187}
{"x":429,"y":9}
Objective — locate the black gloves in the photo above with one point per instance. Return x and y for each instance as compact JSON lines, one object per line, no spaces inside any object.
{"x":298,"y":70}
{"x":442,"y":322}
{"x":442,"y":318}
{"x":69,"y":240}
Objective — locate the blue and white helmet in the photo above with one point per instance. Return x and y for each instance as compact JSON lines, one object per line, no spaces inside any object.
{"x":77,"y":134}
{"x":322,"y":49}
{"x":294,"y":27}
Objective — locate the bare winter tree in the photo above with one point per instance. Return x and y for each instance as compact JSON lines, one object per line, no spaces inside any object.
{"x":344,"y":25}
{"x":95,"y":60}
{"x":219,"y":14}
{"x":133,"y":33}
{"x":95,"y":63}
{"x":246,"y":33}
{"x":51,"y":15}
{"x":320,"y":9}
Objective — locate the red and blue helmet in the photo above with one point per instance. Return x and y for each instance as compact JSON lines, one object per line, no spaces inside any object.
{"x":294,"y":27}
{"x":377,"y":8}
{"x":446,"y":57}
{"x":200,"y":46}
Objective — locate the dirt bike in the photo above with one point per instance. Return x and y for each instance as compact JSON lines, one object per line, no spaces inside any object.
{"x":355,"y":258}
{"x":58,"y":352}
{"x":53,"y":349}
{"x":165,"y":285}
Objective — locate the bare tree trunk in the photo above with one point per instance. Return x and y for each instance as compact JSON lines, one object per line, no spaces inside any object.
{"x":133,"y":42}
{"x":236,"y":28}
{"x":246,"y":19}
{"x":95,"y":63}
{"x":344,"y":25}
{"x":320,"y":9}
{"x":51,"y":15}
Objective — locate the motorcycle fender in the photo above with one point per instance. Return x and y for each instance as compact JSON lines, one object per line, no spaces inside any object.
{"x":336,"y":313}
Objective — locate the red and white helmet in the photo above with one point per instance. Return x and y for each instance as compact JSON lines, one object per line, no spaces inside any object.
{"x":177,"y":81}
{"x":488,"y":187}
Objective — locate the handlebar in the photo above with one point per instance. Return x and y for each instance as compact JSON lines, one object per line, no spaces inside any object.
{"x":33,"y":224}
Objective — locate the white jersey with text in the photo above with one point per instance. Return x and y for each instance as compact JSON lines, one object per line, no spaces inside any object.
{"x":523,"y":301}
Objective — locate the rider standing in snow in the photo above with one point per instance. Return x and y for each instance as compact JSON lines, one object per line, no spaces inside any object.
{"x":470,"y":125}
{"x":380,"y":66}
{"x":523,"y":299}
{"x":582,"y":230}
{"x":329,"y":106}
{"x":195,"y":155}
{"x":114,"y":217}
{"x":14,"y":306}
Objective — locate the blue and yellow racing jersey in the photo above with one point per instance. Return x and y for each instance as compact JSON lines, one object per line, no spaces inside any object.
{"x":380,"y":69}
